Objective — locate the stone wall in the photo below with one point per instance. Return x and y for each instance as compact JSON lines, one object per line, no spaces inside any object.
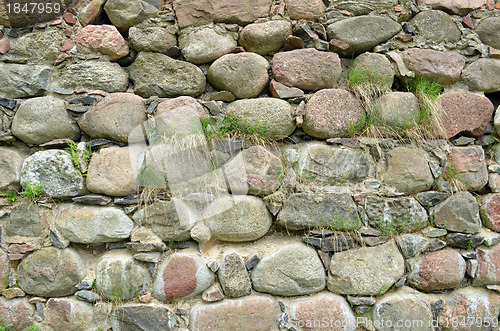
{"x":251,"y":165}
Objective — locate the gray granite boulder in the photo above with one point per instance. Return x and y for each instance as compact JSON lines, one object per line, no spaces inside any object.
{"x":458,"y":213}
{"x":483,"y":75}
{"x":293,"y":270}
{"x":243,"y":74}
{"x":262,"y":38}
{"x":160,"y":75}
{"x":153,"y":38}
{"x":22,"y":80}
{"x":11,"y":161}
{"x":436,"y":26}
{"x":54,"y":171}
{"x":206,"y":44}
{"x":39,"y":120}
{"x":488,"y":30}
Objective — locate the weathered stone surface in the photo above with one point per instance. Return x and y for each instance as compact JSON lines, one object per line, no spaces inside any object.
{"x":403,"y":305}
{"x":458,"y":213}
{"x":37,"y":47}
{"x":269,"y":116}
{"x":114,"y":117}
{"x":293,"y":270}
{"x":362,"y":33}
{"x":332,"y":113}
{"x":466,"y":113}
{"x":152,"y":38}
{"x":238,"y":218}
{"x":93,"y":225}
{"x":262,"y":172}
{"x":102,"y":38}
{"x":408,"y":170}
{"x":469,"y":166}
{"x":456,"y":7}
{"x":491,"y":214}
{"x":233,"y":276}
{"x":243,"y":74}
{"x":181,"y":275}
{"x":488,"y":30}
{"x":262,"y":38}
{"x":307,"y":69}
{"x":93,"y":75}
{"x":17,"y":312}
{"x":165,"y":220}
{"x":437,"y":270}
{"x":477,"y":304}
{"x":55,"y":171}
{"x":412,"y":245}
{"x":362,"y":7}
{"x":442,"y":67}
{"x":69,"y":314}
{"x":196,"y":12}
{"x":303,"y":9}
{"x":126,"y":13}
{"x":206,"y":44}
{"x":51,"y":272}
{"x":282,"y":91}
{"x":119,"y":277}
{"x":146,"y":317}
{"x":312,"y":210}
{"x":24,"y":220}
{"x":400,"y":214}
{"x":375,"y":271}
{"x":323,"y":307}
{"x":489,"y":266}
{"x":483,"y":75}
{"x":90,"y":12}
{"x":160,"y":75}
{"x":436,"y":26}
{"x":398,"y":110}
{"x":255,"y":313}
{"x":40,"y":120}
{"x":112,"y":172}
{"x":373,"y":68}
{"x":329,"y":165}
{"x":23,"y":80}
{"x":11,"y":161}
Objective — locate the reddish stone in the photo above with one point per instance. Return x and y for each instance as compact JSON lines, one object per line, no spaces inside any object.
{"x":56,"y":22}
{"x":20,"y":248}
{"x":321,"y":307}
{"x":491,"y":218}
{"x":281,"y":9}
{"x":465,"y":307}
{"x":182,"y":275}
{"x":68,"y":44}
{"x":237,"y":49}
{"x":398,"y":9}
{"x":467,"y":22}
{"x":488,"y":272}
{"x":62,"y":58}
{"x":179,"y":278}
{"x":248,"y":314}
{"x":307,"y":69}
{"x":102,"y":38}
{"x":17,"y":312}
{"x":4,"y":45}
{"x":69,"y":18}
{"x":305,"y":9}
{"x":293,"y":42}
{"x":68,"y":33}
{"x":469,"y":166}
{"x":490,"y":4}
{"x":13,"y":292}
{"x":466,"y":113}
{"x":359,"y":198}
{"x":345,"y":12}
{"x":145,"y":298}
{"x":213,"y":294}
{"x":477,"y":15}
{"x":15,"y":257}
{"x":338,"y":45}
{"x":497,"y":5}
{"x":438,"y":270}
{"x":405,"y":38}
{"x":199,"y":12}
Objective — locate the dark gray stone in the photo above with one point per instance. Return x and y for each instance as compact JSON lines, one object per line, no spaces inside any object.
{"x":459,"y":213}
{"x":233,"y":276}
{"x":431,"y":198}
{"x":337,"y":243}
{"x":411,"y":245}
{"x":24,"y":220}
{"x":464,"y":241}
{"x":363,"y":33}
{"x":336,"y":211}
{"x":23,"y":80}
{"x":93,"y":199}
{"x":252,"y":262}
{"x":87,"y":296}
{"x":146,"y":318}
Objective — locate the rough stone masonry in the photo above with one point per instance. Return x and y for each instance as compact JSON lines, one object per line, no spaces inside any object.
{"x":250,"y":165}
